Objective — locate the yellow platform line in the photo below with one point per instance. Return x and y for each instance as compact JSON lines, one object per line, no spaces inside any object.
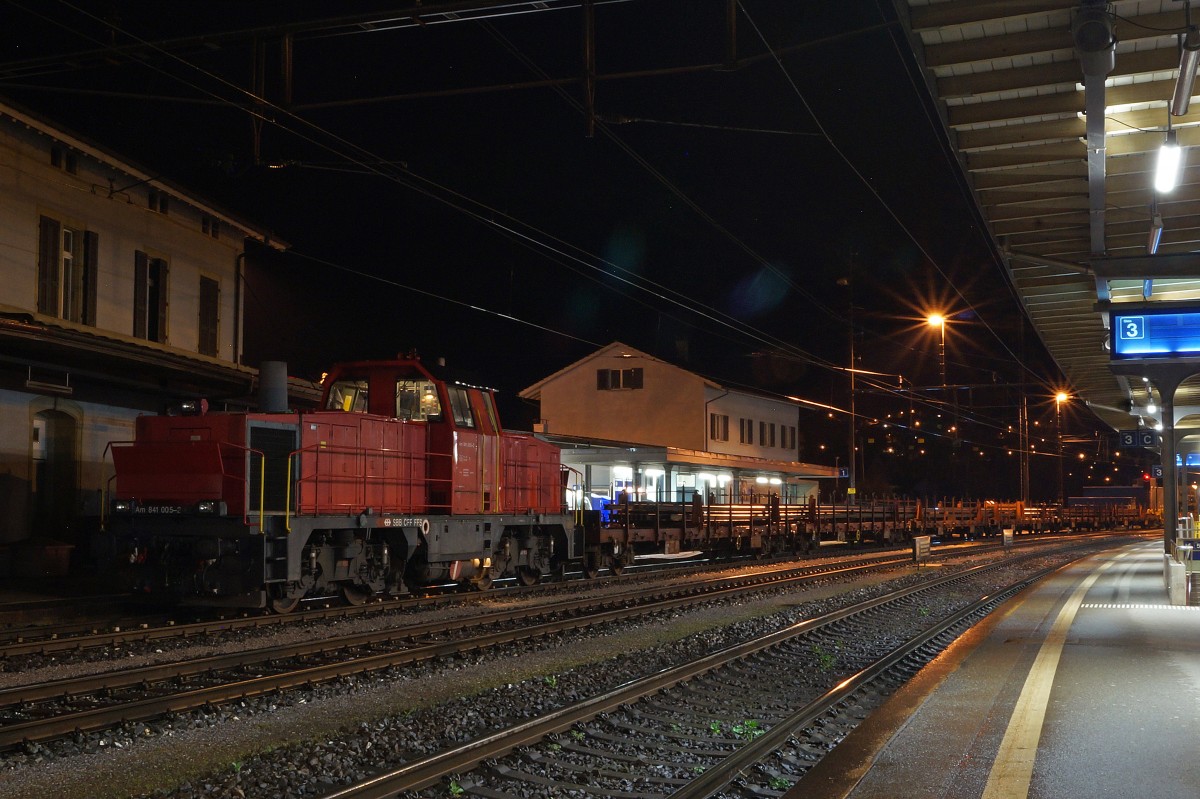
{"x":1013,"y":769}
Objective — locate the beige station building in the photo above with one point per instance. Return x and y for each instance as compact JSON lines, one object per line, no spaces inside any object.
{"x":630,"y":422}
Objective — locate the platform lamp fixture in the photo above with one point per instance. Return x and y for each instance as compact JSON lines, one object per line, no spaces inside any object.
{"x":1166,"y":168}
{"x":1156,"y":230}
{"x":1189,"y":57}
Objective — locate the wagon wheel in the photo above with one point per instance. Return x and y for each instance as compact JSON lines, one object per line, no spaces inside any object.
{"x":527,"y":575}
{"x":354,"y":594}
{"x":619,"y":562}
{"x":590,"y":567}
{"x":279,"y":602}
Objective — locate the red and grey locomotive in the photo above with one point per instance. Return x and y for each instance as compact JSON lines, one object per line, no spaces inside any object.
{"x":400,"y":479}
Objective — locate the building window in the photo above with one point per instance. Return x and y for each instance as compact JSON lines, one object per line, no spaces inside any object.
{"x":210,"y":226}
{"x":746,"y":431}
{"x":158,"y":201}
{"x":718,"y":427}
{"x":770,"y":442}
{"x":788,"y":434}
{"x":67,"y":271}
{"x":210,"y":315}
{"x":149,"y":297}
{"x":613,"y":379}
{"x":64,"y":159}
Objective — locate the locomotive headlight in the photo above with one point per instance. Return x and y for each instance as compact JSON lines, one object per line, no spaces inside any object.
{"x":206,"y":506}
{"x":122,"y":506}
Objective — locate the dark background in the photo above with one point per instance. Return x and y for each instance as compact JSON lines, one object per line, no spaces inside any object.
{"x":741,"y":215}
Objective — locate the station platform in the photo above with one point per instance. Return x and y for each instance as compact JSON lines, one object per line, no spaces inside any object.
{"x":1085,"y":685}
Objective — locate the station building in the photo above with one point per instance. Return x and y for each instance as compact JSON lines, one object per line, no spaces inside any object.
{"x":121,"y":292}
{"x":628,"y":422}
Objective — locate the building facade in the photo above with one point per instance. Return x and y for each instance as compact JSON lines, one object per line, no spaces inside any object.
{"x":630,"y":422}
{"x":118,"y":293}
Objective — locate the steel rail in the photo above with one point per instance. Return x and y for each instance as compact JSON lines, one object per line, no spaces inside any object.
{"x":428,"y":771}
{"x":618,"y":608}
{"x":46,"y":641}
{"x":718,"y":776}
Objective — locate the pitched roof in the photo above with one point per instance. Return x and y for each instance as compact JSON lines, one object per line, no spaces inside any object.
{"x":534,"y":392}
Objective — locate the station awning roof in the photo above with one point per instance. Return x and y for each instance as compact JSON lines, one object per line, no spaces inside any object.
{"x":1061,"y":165}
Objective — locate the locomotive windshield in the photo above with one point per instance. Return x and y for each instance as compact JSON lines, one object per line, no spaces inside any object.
{"x":417,"y":400}
{"x":348,"y":395}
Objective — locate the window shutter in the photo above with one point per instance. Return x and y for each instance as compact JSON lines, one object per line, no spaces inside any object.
{"x":210,"y":295}
{"x":50,"y":240}
{"x":602,"y":383}
{"x":91,"y":276}
{"x":163,"y":290}
{"x":141,"y":268}
{"x":632,"y":378}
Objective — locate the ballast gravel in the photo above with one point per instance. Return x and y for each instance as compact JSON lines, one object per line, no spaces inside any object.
{"x":307,"y":743}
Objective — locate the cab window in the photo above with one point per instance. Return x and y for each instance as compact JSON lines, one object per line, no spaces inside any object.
{"x":348,"y":395}
{"x":460,"y":404}
{"x":417,"y":400}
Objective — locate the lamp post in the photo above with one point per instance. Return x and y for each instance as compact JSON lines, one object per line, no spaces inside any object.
{"x":1059,"y":399}
{"x":852,"y":489}
{"x":939,"y":321}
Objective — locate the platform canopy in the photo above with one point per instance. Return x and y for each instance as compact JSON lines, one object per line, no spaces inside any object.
{"x":1057,"y":110}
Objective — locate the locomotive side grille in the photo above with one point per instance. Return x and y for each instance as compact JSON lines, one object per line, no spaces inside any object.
{"x":277,"y":444}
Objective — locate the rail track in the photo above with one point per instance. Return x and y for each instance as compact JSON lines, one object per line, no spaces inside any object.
{"x":80,"y":636}
{"x":744,"y":721}
{"x":50,"y":709}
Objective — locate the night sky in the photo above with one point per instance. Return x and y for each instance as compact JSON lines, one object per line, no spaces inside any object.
{"x":707,"y":220}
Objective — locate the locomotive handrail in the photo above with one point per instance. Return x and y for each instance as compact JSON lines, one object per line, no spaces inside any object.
{"x":360,"y":478}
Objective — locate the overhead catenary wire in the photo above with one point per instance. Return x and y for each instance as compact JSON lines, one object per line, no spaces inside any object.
{"x":312,"y":133}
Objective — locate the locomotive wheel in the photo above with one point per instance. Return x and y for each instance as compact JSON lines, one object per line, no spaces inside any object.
{"x":353,"y":594}
{"x":527,"y":575}
{"x":483,"y":582}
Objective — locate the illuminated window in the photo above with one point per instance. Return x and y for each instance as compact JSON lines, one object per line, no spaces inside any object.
{"x":746,"y":431}
{"x":417,"y":400}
